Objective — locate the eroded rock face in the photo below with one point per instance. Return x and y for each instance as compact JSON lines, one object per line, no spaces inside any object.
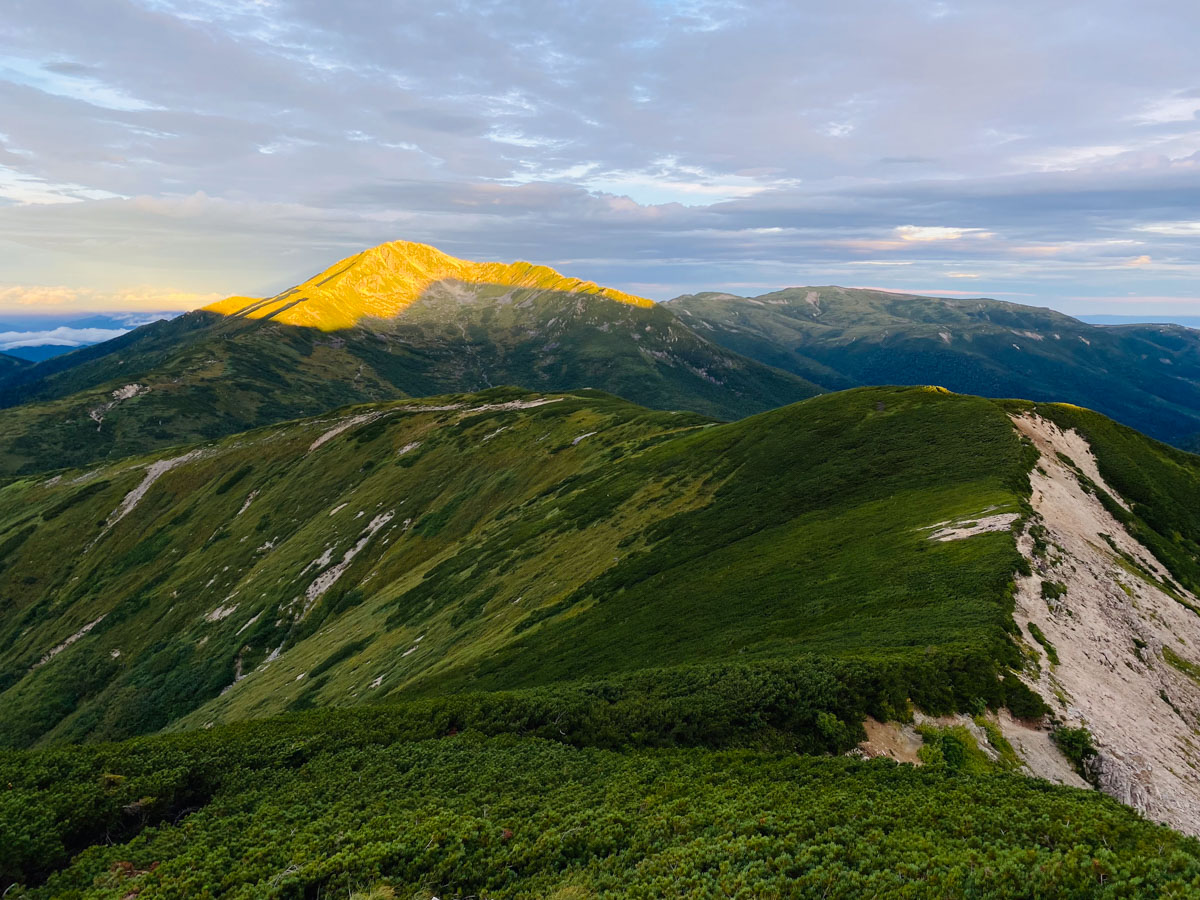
{"x":1119,"y":613}
{"x":1130,"y":780}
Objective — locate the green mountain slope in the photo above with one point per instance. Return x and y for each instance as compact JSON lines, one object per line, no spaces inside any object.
{"x":648,"y":614}
{"x":209,"y":374}
{"x":515,"y":541}
{"x":508,"y":541}
{"x":10,"y":365}
{"x":1146,"y":376}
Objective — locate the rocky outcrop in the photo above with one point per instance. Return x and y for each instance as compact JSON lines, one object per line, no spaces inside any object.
{"x":1109,"y":635}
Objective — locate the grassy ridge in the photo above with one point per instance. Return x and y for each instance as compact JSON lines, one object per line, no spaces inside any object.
{"x":601,"y":635}
{"x":251,"y":523}
{"x":816,"y":539}
{"x":10,"y":365}
{"x":425,"y":550}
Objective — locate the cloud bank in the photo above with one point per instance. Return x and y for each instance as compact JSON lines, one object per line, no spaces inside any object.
{"x":1042,"y":152}
{"x":63,"y":336}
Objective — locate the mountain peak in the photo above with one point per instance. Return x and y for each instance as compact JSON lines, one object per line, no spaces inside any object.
{"x":383,"y":281}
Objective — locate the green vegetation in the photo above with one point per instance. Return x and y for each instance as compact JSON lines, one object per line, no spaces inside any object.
{"x":1076,"y":745}
{"x":1009,"y":761}
{"x":10,"y":365}
{"x":1053,"y":590}
{"x":528,"y":644}
{"x":1188,"y":668}
{"x":209,"y":375}
{"x":520,"y":645}
{"x":1147,"y":376}
{"x":334,"y":803}
{"x":1036,"y":633}
{"x":953,"y":749}
{"x":491,"y":548}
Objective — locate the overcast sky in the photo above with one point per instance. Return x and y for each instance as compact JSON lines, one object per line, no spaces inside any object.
{"x":163,"y":153}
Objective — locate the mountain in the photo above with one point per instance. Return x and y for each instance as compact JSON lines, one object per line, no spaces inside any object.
{"x":468,"y":520}
{"x":519,"y":643}
{"x":385,"y":281}
{"x":395,"y":321}
{"x":604,"y":573}
{"x":1146,"y":376}
{"x":36,"y":337}
{"x":38,"y":352}
{"x":1110,"y":319}
{"x":544,"y":641}
{"x":10,"y":364}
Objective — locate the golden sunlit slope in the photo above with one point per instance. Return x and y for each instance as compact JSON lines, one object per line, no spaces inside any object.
{"x":383,"y":281}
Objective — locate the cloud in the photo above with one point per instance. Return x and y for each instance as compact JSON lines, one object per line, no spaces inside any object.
{"x":63,"y":336}
{"x":1183,"y":106}
{"x":1175,"y":229}
{"x":236,"y":147}
{"x":68,"y":79}
{"x":44,"y":298}
{"x":923,"y":233}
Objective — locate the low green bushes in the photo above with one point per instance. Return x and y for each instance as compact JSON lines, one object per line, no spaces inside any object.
{"x":303,"y":812}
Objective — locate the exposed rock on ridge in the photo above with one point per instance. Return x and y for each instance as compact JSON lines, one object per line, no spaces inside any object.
{"x":1119,"y":622}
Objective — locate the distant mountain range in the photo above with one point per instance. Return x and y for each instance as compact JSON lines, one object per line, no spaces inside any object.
{"x":405,"y":320}
{"x":1147,"y":376}
{"x":1108,"y":319}
{"x":395,"y":321}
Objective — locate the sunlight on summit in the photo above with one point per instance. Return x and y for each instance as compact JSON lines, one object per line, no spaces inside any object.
{"x":382,"y":282}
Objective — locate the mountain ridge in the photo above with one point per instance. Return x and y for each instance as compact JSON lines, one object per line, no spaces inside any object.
{"x":207,"y":374}
{"x":10,"y":364}
{"x":1147,"y":376}
{"x":875,"y":548}
{"x":383,"y":281}
{"x":501,"y":583}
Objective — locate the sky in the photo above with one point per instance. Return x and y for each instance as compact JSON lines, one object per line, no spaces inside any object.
{"x":161,"y":154}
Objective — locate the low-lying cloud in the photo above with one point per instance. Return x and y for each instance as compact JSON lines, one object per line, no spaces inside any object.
{"x":63,"y":336}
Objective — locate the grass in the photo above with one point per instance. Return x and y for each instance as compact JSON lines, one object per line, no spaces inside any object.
{"x":953,"y":749}
{"x":1053,"y":590}
{"x":1009,"y":760}
{"x":515,"y":557}
{"x":728,"y":576}
{"x":1036,"y":633}
{"x":1188,"y":668}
